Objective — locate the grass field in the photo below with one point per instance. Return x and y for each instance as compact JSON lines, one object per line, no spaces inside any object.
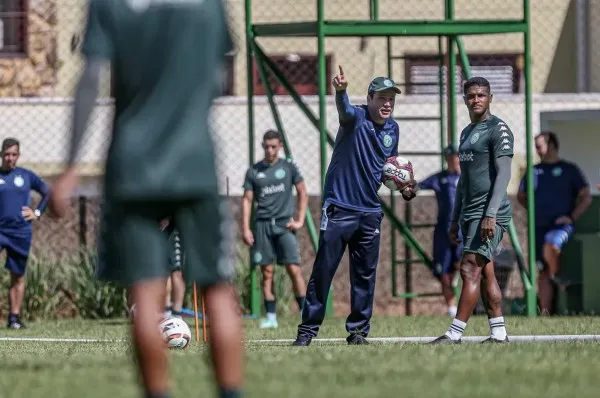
{"x":51,"y":369}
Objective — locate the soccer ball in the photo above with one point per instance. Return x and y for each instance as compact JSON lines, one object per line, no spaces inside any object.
{"x":175,"y":332}
{"x":397,"y":173}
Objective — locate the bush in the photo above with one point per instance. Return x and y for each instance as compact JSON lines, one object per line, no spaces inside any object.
{"x":66,"y":287}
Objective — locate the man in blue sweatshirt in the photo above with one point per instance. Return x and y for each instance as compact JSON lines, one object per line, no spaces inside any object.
{"x":351,"y":211}
{"x":16,"y":214}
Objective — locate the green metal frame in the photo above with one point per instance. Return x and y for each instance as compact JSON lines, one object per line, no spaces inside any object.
{"x":449,"y":28}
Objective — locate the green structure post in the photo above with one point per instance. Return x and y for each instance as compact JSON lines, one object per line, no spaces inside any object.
{"x":443,"y":118}
{"x":323,"y":80}
{"x":255,"y":296}
{"x":531,"y":293}
{"x":394,"y":252}
{"x":321,"y":28}
{"x":449,"y":10}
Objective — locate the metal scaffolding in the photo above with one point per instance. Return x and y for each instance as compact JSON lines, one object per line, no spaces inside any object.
{"x":448,"y":29}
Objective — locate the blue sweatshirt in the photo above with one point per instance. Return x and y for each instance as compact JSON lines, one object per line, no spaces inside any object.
{"x":359,"y":153}
{"x":15,"y":192}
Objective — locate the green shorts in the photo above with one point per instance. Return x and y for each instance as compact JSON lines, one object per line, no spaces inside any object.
{"x":132,"y":248}
{"x":274,"y":243}
{"x":471,"y":231}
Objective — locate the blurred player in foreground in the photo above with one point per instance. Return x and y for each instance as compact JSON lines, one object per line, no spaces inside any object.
{"x":351,"y":213}
{"x":175,"y":283}
{"x":482,"y":209}
{"x":16,"y":215}
{"x":446,"y":254}
{"x":562,"y":195}
{"x":273,"y":241}
{"x":161,"y":163}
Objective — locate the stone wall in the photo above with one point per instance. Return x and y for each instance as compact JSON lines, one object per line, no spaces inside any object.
{"x":34,"y":75}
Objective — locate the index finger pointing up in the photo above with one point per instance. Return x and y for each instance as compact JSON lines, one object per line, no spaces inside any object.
{"x":341,"y":70}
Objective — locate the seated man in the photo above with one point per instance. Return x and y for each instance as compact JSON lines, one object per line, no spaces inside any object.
{"x":562,"y":195}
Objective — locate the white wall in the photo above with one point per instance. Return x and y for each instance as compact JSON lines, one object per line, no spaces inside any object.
{"x":43,"y":127}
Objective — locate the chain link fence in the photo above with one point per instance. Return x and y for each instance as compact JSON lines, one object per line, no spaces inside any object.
{"x":40,"y":64}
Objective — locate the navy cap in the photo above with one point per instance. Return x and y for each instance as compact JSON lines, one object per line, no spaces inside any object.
{"x":450,"y":150}
{"x":382,"y":84}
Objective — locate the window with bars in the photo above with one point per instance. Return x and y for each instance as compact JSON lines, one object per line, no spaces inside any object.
{"x":13,"y":27}
{"x":422,"y":73}
{"x":300,"y":70}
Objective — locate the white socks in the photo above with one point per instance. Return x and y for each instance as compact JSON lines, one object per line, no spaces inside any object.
{"x":271,"y":316}
{"x":497,"y":329}
{"x":456,"y":329}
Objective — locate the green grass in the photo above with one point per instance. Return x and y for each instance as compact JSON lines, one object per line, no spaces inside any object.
{"x":40,"y":369}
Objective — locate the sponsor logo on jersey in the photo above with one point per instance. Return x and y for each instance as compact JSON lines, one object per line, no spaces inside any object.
{"x":271,"y":189}
{"x":261,"y":175}
{"x":466,"y":156}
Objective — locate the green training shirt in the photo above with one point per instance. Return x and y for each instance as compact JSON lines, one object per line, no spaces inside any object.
{"x":272,"y":187}
{"x":480,"y":144}
{"x":167,"y":58}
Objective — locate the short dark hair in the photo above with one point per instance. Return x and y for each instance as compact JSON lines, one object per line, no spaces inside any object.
{"x":550,"y":137}
{"x":273,"y":134}
{"x":476,"y":81}
{"x":10,"y":142}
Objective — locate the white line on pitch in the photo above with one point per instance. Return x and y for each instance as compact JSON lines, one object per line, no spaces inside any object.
{"x":538,"y":338}
{"x":470,"y":339}
{"x":64,"y":340}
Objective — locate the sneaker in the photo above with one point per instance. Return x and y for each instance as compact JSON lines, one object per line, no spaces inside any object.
{"x":267,"y":323}
{"x":302,"y":341}
{"x":357,"y":339}
{"x":444,"y":340}
{"x":493,"y":340}
{"x":16,"y":324}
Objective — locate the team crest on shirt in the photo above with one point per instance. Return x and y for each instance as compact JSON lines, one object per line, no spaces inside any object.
{"x":557,"y":171}
{"x":19,"y":181}
{"x":474,"y":138}
{"x":387,"y":140}
{"x":280,"y":174}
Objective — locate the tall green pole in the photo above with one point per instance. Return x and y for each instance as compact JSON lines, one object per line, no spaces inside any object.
{"x":449,"y":11}
{"x":323,"y":111}
{"x":443,"y":120}
{"x":392,"y":198}
{"x":255,"y":304}
{"x":531,"y":293}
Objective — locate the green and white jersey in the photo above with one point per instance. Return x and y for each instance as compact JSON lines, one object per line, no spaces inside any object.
{"x":480,"y":144}
{"x":167,"y":58}
{"x":272,"y":187}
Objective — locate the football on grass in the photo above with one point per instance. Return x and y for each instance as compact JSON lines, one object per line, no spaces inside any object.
{"x":397,"y":173}
{"x":175,"y":332}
